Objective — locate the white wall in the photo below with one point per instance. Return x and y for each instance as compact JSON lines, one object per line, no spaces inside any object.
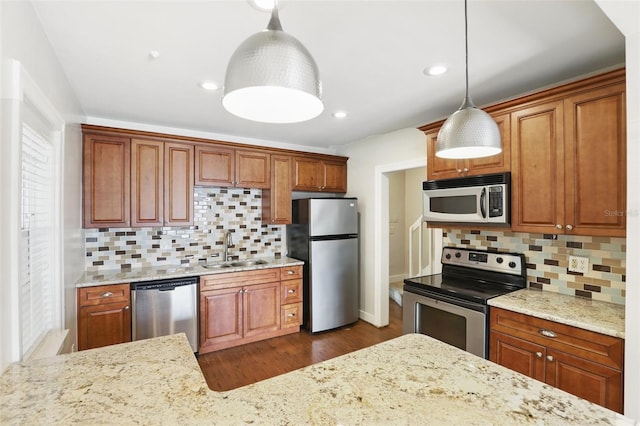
{"x":626,"y":16}
{"x":366,"y":158}
{"x":23,"y":40}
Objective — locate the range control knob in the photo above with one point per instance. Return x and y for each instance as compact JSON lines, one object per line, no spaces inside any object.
{"x":447,"y":256}
{"x":512,"y":264}
{"x":499,"y":260}
{"x":458,"y":255}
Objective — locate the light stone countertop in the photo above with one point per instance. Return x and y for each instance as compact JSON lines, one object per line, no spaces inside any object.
{"x":90,"y":279}
{"x":594,"y":315}
{"x":412,"y":379}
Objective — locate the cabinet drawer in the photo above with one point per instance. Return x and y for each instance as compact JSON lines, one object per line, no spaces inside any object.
{"x":291,"y":291}
{"x":291,"y":272}
{"x":600,"y":348}
{"x":90,"y":296}
{"x":235,"y":279}
{"x":291,"y":315}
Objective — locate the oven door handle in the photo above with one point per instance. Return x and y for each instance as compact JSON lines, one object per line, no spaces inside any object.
{"x":450,"y":300}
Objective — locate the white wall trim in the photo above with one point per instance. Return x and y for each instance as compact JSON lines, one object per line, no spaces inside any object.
{"x":381,"y":236}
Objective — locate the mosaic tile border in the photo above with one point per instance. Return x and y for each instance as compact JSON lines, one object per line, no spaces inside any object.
{"x":215,"y":211}
{"x":547,"y":259}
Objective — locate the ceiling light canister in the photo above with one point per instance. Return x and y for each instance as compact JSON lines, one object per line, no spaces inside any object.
{"x":272,"y":78}
{"x":469,"y":132}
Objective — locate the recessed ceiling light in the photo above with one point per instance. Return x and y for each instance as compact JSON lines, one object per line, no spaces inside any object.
{"x":209,"y":85}
{"x":339,"y":114}
{"x":263,"y":5}
{"x":435,"y":70}
{"x":154,"y":54}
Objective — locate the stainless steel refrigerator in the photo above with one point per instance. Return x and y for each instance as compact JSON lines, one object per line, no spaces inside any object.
{"x":324,"y":234}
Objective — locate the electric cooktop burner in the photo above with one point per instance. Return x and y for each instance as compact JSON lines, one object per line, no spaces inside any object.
{"x":473,"y":275}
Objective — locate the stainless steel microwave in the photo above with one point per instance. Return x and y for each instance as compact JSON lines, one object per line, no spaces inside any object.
{"x":484,"y":199}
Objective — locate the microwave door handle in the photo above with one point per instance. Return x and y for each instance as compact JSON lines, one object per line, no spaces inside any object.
{"x":483,"y":198}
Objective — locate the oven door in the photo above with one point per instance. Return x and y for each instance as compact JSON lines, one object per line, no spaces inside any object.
{"x":457,"y":322}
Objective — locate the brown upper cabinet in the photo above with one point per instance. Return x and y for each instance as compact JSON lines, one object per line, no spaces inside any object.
{"x":443,"y":168}
{"x":139,"y":182}
{"x":226,"y":167}
{"x":276,"y":201}
{"x":106,"y":189}
{"x":569,"y":163}
{"x":319,"y":175}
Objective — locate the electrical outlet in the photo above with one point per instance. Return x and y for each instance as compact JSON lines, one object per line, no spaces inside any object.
{"x":578,"y":264}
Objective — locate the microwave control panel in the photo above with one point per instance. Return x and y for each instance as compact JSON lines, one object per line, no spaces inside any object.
{"x":496,"y":207}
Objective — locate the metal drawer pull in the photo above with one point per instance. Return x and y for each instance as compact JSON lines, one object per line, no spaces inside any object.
{"x":548,"y":333}
{"x":106,"y":294}
{"x":291,"y":315}
{"x":549,"y":358}
{"x":290,"y":272}
{"x":539,"y":354}
{"x":291,"y":291}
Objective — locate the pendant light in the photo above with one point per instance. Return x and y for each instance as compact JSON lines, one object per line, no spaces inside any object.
{"x":469,"y":132}
{"x":272,"y":78}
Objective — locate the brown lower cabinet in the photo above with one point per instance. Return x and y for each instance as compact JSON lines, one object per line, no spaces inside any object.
{"x":104,"y":316}
{"x":243,"y":307}
{"x":578,"y":361}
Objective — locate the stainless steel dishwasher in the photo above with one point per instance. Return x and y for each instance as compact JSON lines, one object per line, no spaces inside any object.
{"x":164,"y":307}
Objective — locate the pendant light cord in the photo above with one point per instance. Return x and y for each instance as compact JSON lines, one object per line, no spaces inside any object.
{"x":467,"y":99}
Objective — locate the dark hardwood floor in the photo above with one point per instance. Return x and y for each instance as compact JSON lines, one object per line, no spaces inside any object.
{"x":231,"y":368}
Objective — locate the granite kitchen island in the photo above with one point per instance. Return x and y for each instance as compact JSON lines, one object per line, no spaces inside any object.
{"x":412,"y":379}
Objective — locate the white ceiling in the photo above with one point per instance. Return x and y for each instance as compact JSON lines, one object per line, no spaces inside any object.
{"x":371,"y":56}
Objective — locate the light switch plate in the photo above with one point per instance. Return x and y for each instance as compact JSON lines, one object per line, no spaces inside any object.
{"x":578,"y":264}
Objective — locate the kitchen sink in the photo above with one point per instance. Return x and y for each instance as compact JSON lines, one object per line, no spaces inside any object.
{"x":249,"y":262}
{"x":237,"y":263}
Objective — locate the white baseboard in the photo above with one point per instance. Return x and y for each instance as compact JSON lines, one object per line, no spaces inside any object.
{"x":398,"y":277}
{"x":365,"y":316}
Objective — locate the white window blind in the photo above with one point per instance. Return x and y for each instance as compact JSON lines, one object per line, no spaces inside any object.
{"x":37,"y":238}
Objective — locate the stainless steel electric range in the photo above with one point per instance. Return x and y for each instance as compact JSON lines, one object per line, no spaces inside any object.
{"x":452,"y":306}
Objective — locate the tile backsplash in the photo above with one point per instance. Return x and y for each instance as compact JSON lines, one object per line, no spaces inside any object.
{"x":215,"y":211}
{"x":547,"y":259}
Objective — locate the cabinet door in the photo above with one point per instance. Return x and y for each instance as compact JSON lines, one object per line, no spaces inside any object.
{"x":595,"y":162}
{"x":220,"y":317}
{"x":261,"y":308}
{"x":496,"y":163}
{"x":147,"y":183}
{"x":537,"y":169}
{"x":588,"y":380}
{"x":276,"y":201}
{"x":440,"y":168}
{"x":215,"y":166}
{"x":334,"y":177}
{"x":103,"y":325}
{"x":516,"y":354}
{"x":178,"y":184}
{"x":306,"y":173}
{"x":106,"y":196}
{"x":253,"y":169}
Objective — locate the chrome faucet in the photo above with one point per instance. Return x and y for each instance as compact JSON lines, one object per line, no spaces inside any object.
{"x":228,"y":241}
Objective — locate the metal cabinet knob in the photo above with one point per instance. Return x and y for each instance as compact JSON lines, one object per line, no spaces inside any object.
{"x":465,"y":170}
{"x":459,"y":170}
{"x":569,"y":227}
{"x":549,"y":358}
{"x":558,"y":226}
{"x":126,"y":308}
{"x":539,"y":354}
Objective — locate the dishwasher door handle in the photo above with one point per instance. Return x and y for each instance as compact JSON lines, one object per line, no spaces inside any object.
{"x":167,"y":289}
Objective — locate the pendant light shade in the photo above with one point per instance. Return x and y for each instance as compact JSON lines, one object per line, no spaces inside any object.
{"x":272,"y":78}
{"x":469,"y":132}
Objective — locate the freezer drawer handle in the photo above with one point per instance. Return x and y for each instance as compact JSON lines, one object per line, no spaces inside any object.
{"x":106,"y":294}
